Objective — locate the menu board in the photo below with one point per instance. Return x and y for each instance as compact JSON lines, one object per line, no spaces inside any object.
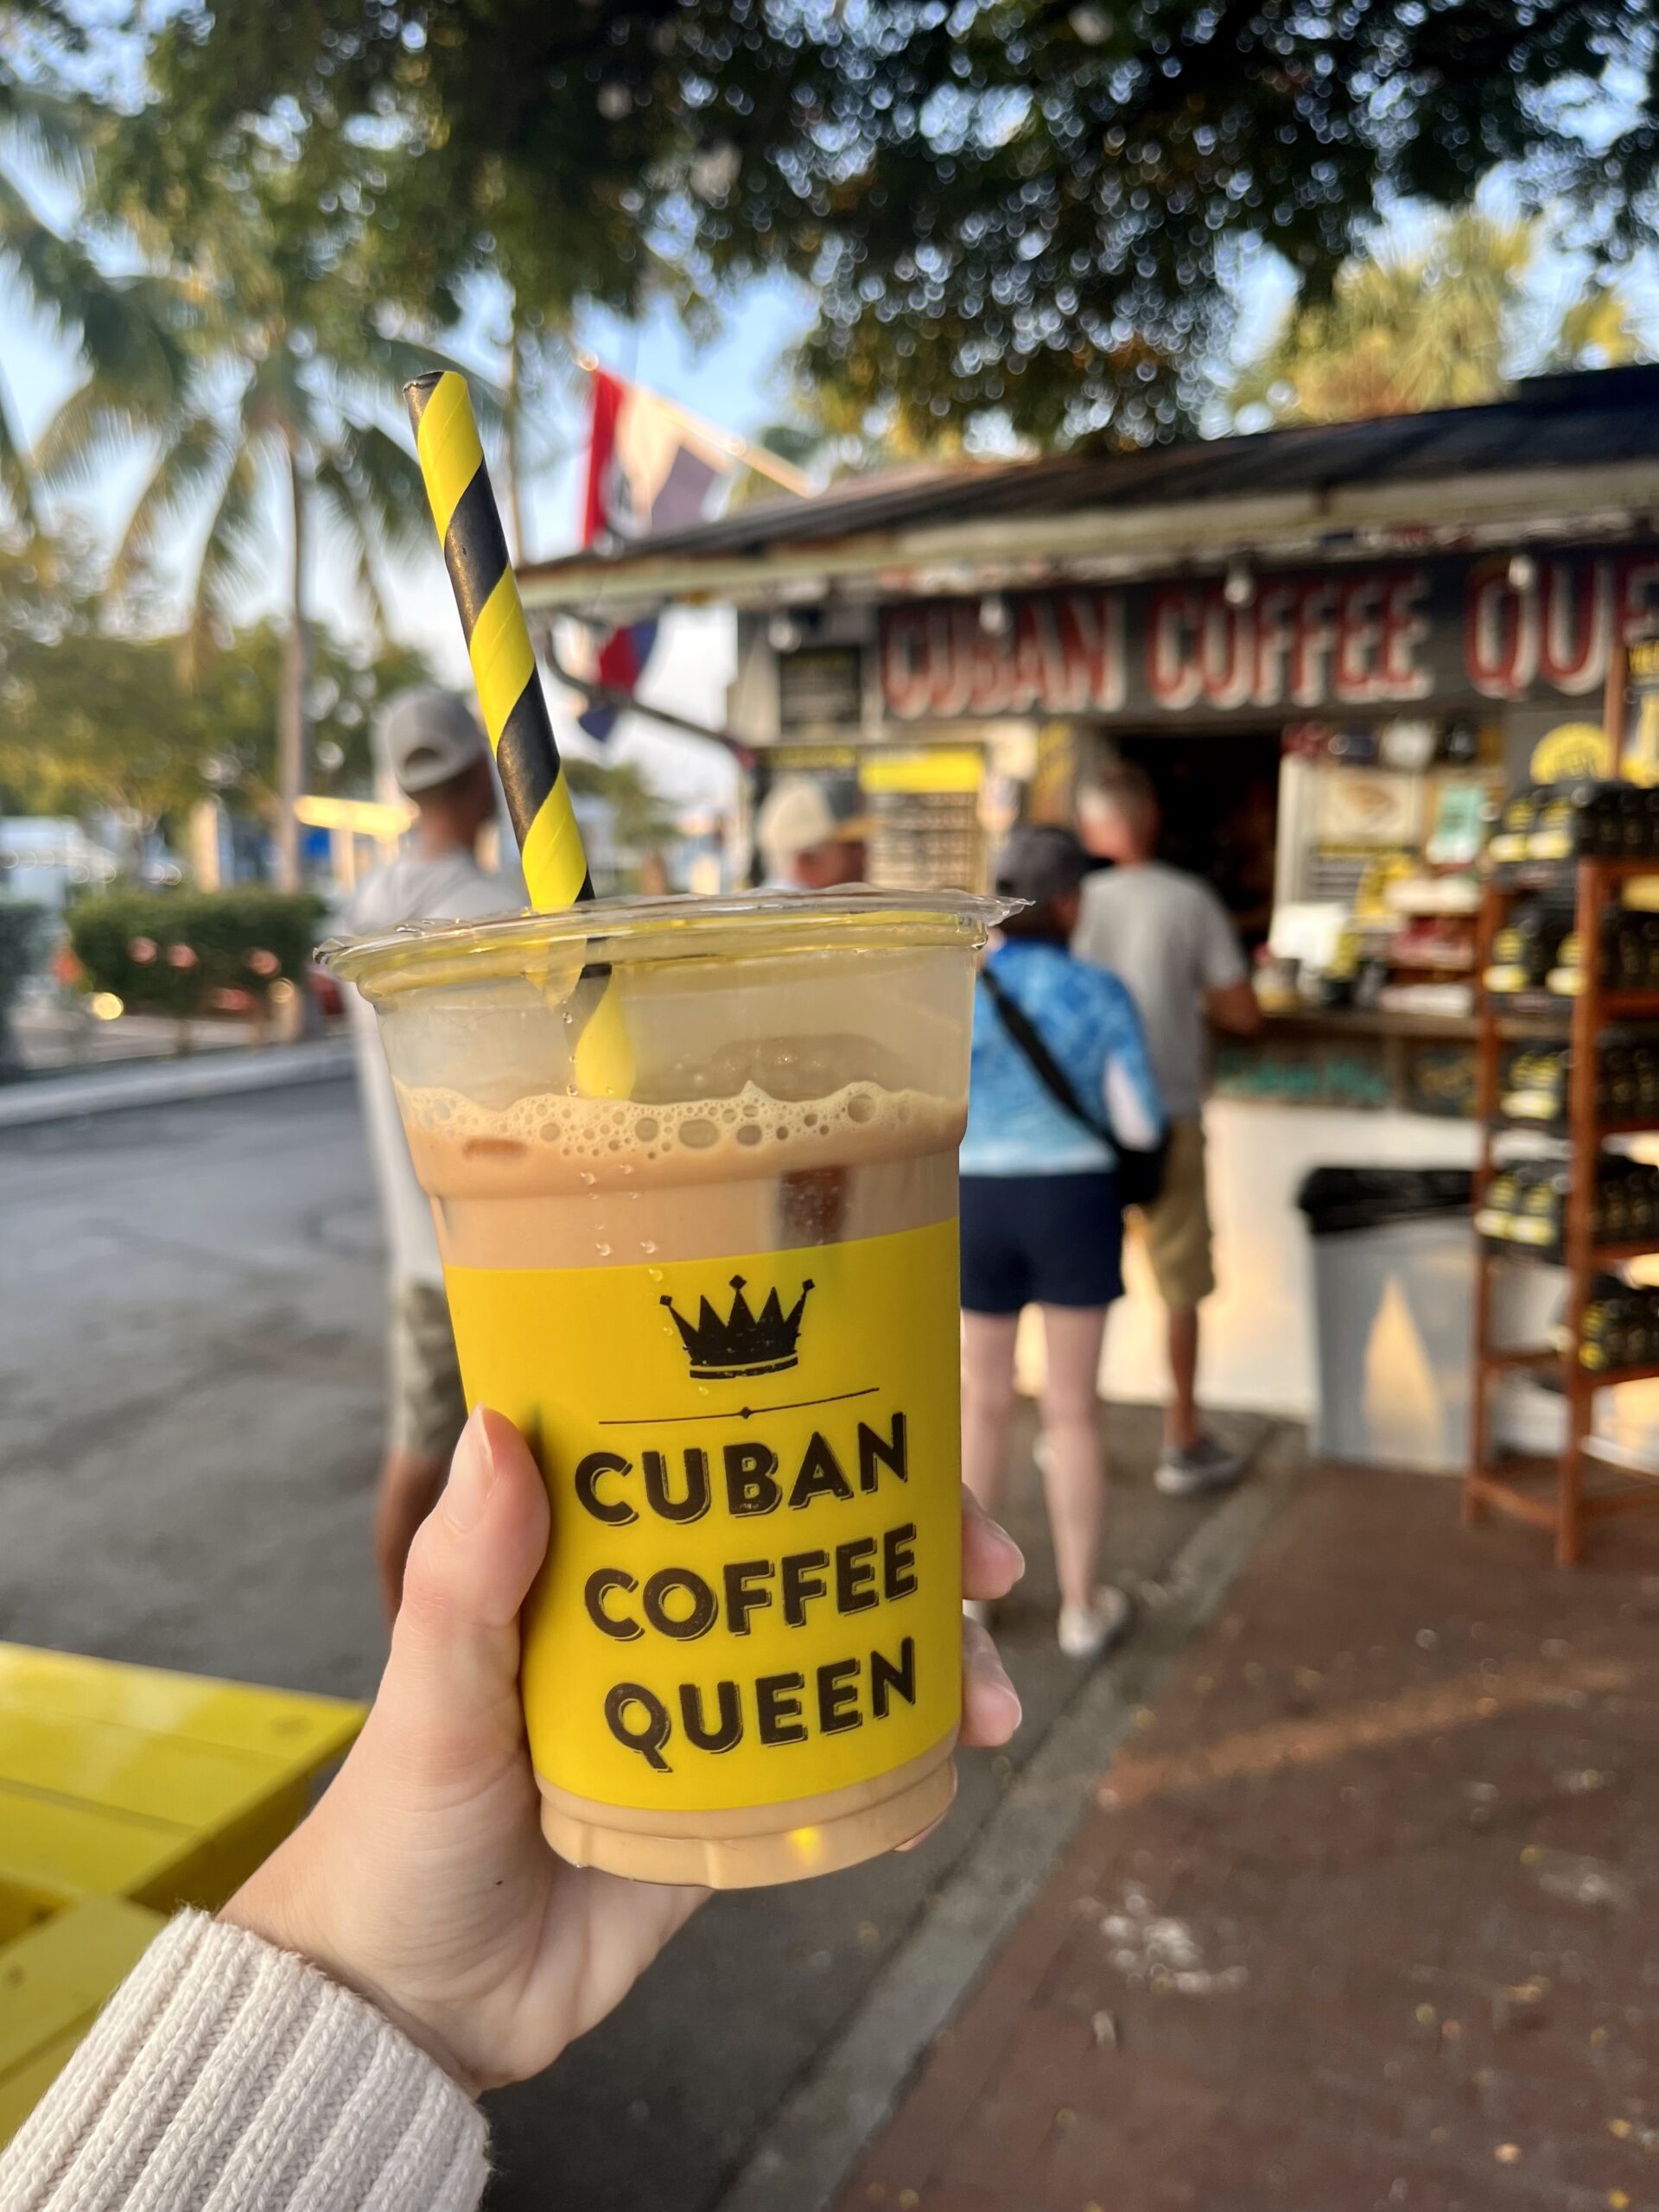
{"x":923,"y":805}
{"x":820,"y":687}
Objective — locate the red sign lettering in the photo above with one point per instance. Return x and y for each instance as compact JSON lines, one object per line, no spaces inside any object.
{"x":1226,"y":653}
{"x":1173,"y":675}
{"x":1575,"y":624}
{"x":1447,"y":629}
{"x":1405,"y":629}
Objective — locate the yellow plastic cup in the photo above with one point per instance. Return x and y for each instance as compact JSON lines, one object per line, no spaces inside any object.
{"x":724,"y":1310}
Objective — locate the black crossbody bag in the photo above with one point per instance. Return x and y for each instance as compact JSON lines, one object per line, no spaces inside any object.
{"x":1139,"y":1168}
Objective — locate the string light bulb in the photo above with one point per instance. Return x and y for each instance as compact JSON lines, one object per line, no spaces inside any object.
{"x":1238,"y":584}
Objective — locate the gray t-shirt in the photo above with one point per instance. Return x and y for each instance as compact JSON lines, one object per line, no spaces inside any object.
{"x":1169,"y":938}
{"x":453,"y":888}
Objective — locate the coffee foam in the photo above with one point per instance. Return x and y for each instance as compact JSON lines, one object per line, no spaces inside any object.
{"x":550,"y":1141}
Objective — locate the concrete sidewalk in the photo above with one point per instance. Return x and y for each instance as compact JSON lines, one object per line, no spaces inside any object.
{"x":1362,"y":1916}
{"x":125,"y":1085}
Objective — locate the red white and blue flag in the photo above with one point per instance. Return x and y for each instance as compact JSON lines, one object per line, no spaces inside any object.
{"x":650,"y":468}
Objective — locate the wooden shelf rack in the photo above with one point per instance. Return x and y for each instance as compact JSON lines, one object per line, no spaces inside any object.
{"x":1519,"y":1487}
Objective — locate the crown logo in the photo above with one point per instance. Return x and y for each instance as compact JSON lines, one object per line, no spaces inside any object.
{"x":745,"y":1342}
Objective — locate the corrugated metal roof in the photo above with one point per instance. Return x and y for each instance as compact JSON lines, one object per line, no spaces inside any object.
{"x":1593,"y":418}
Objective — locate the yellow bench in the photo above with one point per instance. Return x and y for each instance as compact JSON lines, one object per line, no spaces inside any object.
{"x":125,"y":1793}
{"x":53,"y":1980}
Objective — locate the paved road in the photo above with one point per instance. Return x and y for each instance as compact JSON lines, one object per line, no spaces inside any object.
{"x":189,"y":1405}
{"x":189,"y":1378}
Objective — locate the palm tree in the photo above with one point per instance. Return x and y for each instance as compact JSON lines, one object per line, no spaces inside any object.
{"x":126,"y":329}
{"x":1434,"y":325}
{"x":291,"y":374}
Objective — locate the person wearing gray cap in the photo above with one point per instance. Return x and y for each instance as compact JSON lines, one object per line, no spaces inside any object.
{"x":1062,"y":1111}
{"x":439,"y":759}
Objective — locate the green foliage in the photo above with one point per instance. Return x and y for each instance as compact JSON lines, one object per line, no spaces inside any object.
{"x":640,"y":821}
{"x":291,"y":374}
{"x":128,"y":329}
{"x":23,"y":933}
{"x":1011,"y":209}
{"x":287,"y":372}
{"x":170,"y":952}
{"x":236,"y":696}
{"x":1435,"y":325}
{"x":89,"y":718}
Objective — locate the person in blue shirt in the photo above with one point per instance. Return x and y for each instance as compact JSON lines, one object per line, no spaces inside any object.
{"x":1042,"y":1222}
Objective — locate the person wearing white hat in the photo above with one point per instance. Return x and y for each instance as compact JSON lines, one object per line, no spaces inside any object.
{"x":439,"y":758}
{"x":805,"y":843}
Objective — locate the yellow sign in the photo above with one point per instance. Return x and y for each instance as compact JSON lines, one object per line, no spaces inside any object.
{"x":752,"y":1591}
{"x":369,"y":817}
{"x":1640,"y":761}
{"x":933,"y":769}
{"x":1572,"y":750}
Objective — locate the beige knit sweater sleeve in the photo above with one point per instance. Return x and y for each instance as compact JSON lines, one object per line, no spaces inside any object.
{"x":225,"y":2075}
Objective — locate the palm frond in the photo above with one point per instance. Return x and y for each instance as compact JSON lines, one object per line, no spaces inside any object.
{"x":376,"y":366}
{"x":134,"y":333}
{"x":130,"y":330}
{"x":387,"y":488}
{"x":26,"y":240}
{"x":199,"y":452}
{"x":231,"y":555}
{"x":89,"y":431}
{"x":47,"y":130}
{"x":14,"y":468}
{"x":338,"y":504}
{"x":374,"y":494}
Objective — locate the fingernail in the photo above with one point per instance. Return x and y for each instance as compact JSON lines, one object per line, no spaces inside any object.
{"x":1010,"y":1697}
{"x":1016,"y":1557}
{"x":990,"y":1671}
{"x":471,"y":1475}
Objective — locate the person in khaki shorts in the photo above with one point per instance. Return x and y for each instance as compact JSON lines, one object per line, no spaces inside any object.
{"x":1168,"y":937}
{"x":440,"y":760}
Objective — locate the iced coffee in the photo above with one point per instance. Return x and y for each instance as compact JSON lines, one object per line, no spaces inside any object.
{"x":723,"y":1308}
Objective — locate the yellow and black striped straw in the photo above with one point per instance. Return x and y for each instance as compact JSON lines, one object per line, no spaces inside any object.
{"x":510,"y":695}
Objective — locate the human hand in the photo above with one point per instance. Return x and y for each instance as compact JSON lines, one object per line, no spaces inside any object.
{"x":407,"y":1491}
{"x":421,"y":1879}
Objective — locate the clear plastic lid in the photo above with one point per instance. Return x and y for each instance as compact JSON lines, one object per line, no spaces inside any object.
{"x":628,"y":932}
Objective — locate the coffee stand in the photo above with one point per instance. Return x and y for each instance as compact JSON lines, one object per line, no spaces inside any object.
{"x":1332,"y":650}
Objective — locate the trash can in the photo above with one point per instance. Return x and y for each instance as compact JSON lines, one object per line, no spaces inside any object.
{"x":1393,"y":1290}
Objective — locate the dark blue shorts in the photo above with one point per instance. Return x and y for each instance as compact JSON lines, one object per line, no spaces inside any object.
{"x":1040,"y":1240}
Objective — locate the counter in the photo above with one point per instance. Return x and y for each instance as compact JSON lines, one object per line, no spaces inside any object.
{"x":1418,"y":1064}
{"x":1258,"y":1346}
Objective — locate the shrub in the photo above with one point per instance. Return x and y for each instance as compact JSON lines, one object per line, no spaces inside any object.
{"x":176,"y":951}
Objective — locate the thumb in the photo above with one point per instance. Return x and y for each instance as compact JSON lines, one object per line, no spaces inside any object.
{"x":449,"y":1697}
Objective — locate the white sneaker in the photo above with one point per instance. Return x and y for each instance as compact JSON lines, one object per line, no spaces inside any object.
{"x":1086,"y":1631}
{"x":1207,"y":1465}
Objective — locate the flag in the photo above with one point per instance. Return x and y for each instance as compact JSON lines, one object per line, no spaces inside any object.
{"x":650,"y":468}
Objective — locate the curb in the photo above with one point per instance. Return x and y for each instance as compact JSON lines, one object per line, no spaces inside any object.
{"x":824,"y":2126}
{"x":170,"y":1083}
